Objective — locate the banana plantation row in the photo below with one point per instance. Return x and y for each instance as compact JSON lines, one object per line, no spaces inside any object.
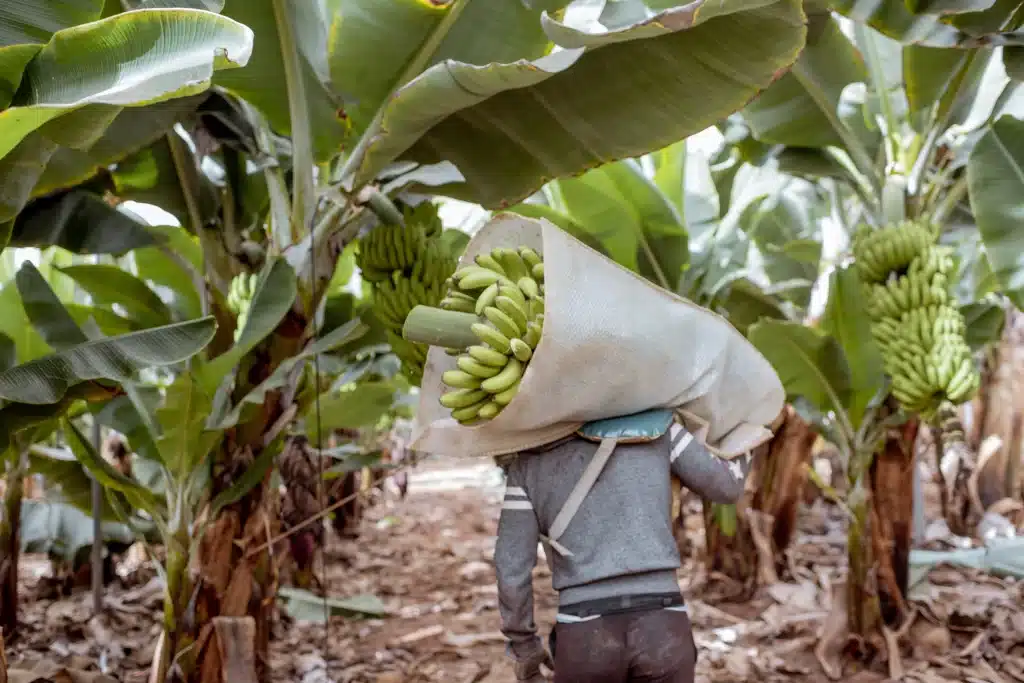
{"x":857,"y":221}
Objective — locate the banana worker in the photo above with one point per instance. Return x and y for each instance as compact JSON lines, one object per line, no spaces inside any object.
{"x":600,"y":502}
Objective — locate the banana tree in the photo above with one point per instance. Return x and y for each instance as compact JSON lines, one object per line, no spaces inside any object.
{"x":425,"y":85}
{"x":886,"y":115}
{"x":48,"y":387}
{"x":833,"y":376}
{"x":886,"y":128}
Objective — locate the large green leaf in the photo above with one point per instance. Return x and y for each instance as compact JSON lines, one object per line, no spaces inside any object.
{"x":352,"y":408}
{"x":927,"y":72}
{"x":133,"y":129}
{"x":344,"y":334}
{"x":20,"y":170}
{"x":169,"y":267}
{"x":810,"y":363}
{"x":610,"y":95}
{"x":109,"y":285}
{"x":372,"y":42}
{"x":985,"y":321}
{"x":262,"y":82}
{"x":185,"y":443}
{"x":995,"y":175}
{"x":801,"y":109}
{"x":65,"y":530}
{"x":931,"y":26}
{"x":632,"y":220}
{"x":122,"y":415}
{"x":45,"y":310}
{"x":8,"y":352}
{"x":686,"y":180}
{"x":275,"y":294}
{"x":746,"y":303}
{"x":15,"y":324}
{"x":60,"y":468}
{"x":148,"y":56}
{"x":80,"y":222}
{"x":847,"y":322}
{"x":110,"y":324}
{"x":137,"y":495}
{"x":34,"y":21}
{"x":151,"y":176}
{"x":782,"y":227}
{"x":47,"y":379}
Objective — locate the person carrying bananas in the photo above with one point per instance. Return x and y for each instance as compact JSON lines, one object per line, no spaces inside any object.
{"x":600,"y":502}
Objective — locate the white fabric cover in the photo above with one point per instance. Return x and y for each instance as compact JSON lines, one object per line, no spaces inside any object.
{"x":613,"y":344}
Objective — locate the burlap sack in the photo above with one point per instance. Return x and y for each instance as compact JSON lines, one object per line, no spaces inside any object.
{"x":613,"y":344}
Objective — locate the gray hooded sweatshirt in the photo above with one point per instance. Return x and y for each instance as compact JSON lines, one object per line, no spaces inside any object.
{"x":621,"y":536}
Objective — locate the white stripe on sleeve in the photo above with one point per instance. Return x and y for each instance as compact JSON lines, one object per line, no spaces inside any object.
{"x":678,"y":449}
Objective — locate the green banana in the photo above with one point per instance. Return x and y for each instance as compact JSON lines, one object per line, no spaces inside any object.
{"x":521,"y":350}
{"x":487,"y":356}
{"x":468,"y":413}
{"x":462,"y":398}
{"x":508,"y":376}
{"x":491,"y":336}
{"x":503,"y":398}
{"x":513,"y":310}
{"x":488,"y":261}
{"x":529,"y":287}
{"x":531,"y":257}
{"x":486,"y":298}
{"x":502,"y":322}
{"x":490,"y":410}
{"x":478,"y":279}
{"x":473,"y":367}
{"x":460,"y":379}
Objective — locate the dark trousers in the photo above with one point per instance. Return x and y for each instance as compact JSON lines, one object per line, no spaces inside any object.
{"x":654,"y":646}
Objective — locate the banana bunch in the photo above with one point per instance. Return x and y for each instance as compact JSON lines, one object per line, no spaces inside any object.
{"x":881,"y":252}
{"x":408,"y":266}
{"x":917,"y":326}
{"x":505,"y":288}
{"x":393,"y":247}
{"x":240,"y":294}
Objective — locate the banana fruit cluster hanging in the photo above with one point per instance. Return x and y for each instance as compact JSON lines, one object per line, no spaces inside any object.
{"x":917,"y":325}
{"x":407,"y":266}
{"x":506,"y":290}
{"x":240,"y":294}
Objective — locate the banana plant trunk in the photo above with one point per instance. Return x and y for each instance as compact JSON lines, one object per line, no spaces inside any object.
{"x":998,"y":405}
{"x":749,"y":543}
{"x":10,"y":547}
{"x":300,"y":471}
{"x":880,"y":536}
{"x":237,"y":567}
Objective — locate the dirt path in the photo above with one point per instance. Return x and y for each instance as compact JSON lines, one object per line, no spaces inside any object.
{"x":428,"y":559}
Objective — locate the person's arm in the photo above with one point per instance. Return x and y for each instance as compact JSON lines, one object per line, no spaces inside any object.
{"x":515,"y":554}
{"x":711,"y":477}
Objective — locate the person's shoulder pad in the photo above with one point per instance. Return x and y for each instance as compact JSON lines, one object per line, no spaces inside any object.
{"x":642,"y":427}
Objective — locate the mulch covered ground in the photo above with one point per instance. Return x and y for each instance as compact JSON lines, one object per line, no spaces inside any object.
{"x":427,"y":559}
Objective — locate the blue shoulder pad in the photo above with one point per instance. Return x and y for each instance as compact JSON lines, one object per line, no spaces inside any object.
{"x":636,"y":428}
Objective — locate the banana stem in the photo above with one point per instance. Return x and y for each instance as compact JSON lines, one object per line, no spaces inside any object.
{"x":438,"y":327}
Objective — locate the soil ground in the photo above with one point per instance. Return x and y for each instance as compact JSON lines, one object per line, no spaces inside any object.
{"x":427,"y":558}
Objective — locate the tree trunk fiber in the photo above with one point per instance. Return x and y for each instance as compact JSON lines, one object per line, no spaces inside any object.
{"x":237,"y":569}
{"x":10,"y":549}
{"x":998,"y":404}
{"x":880,"y":533}
{"x":766,"y":515}
{"x":892,"y":520}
